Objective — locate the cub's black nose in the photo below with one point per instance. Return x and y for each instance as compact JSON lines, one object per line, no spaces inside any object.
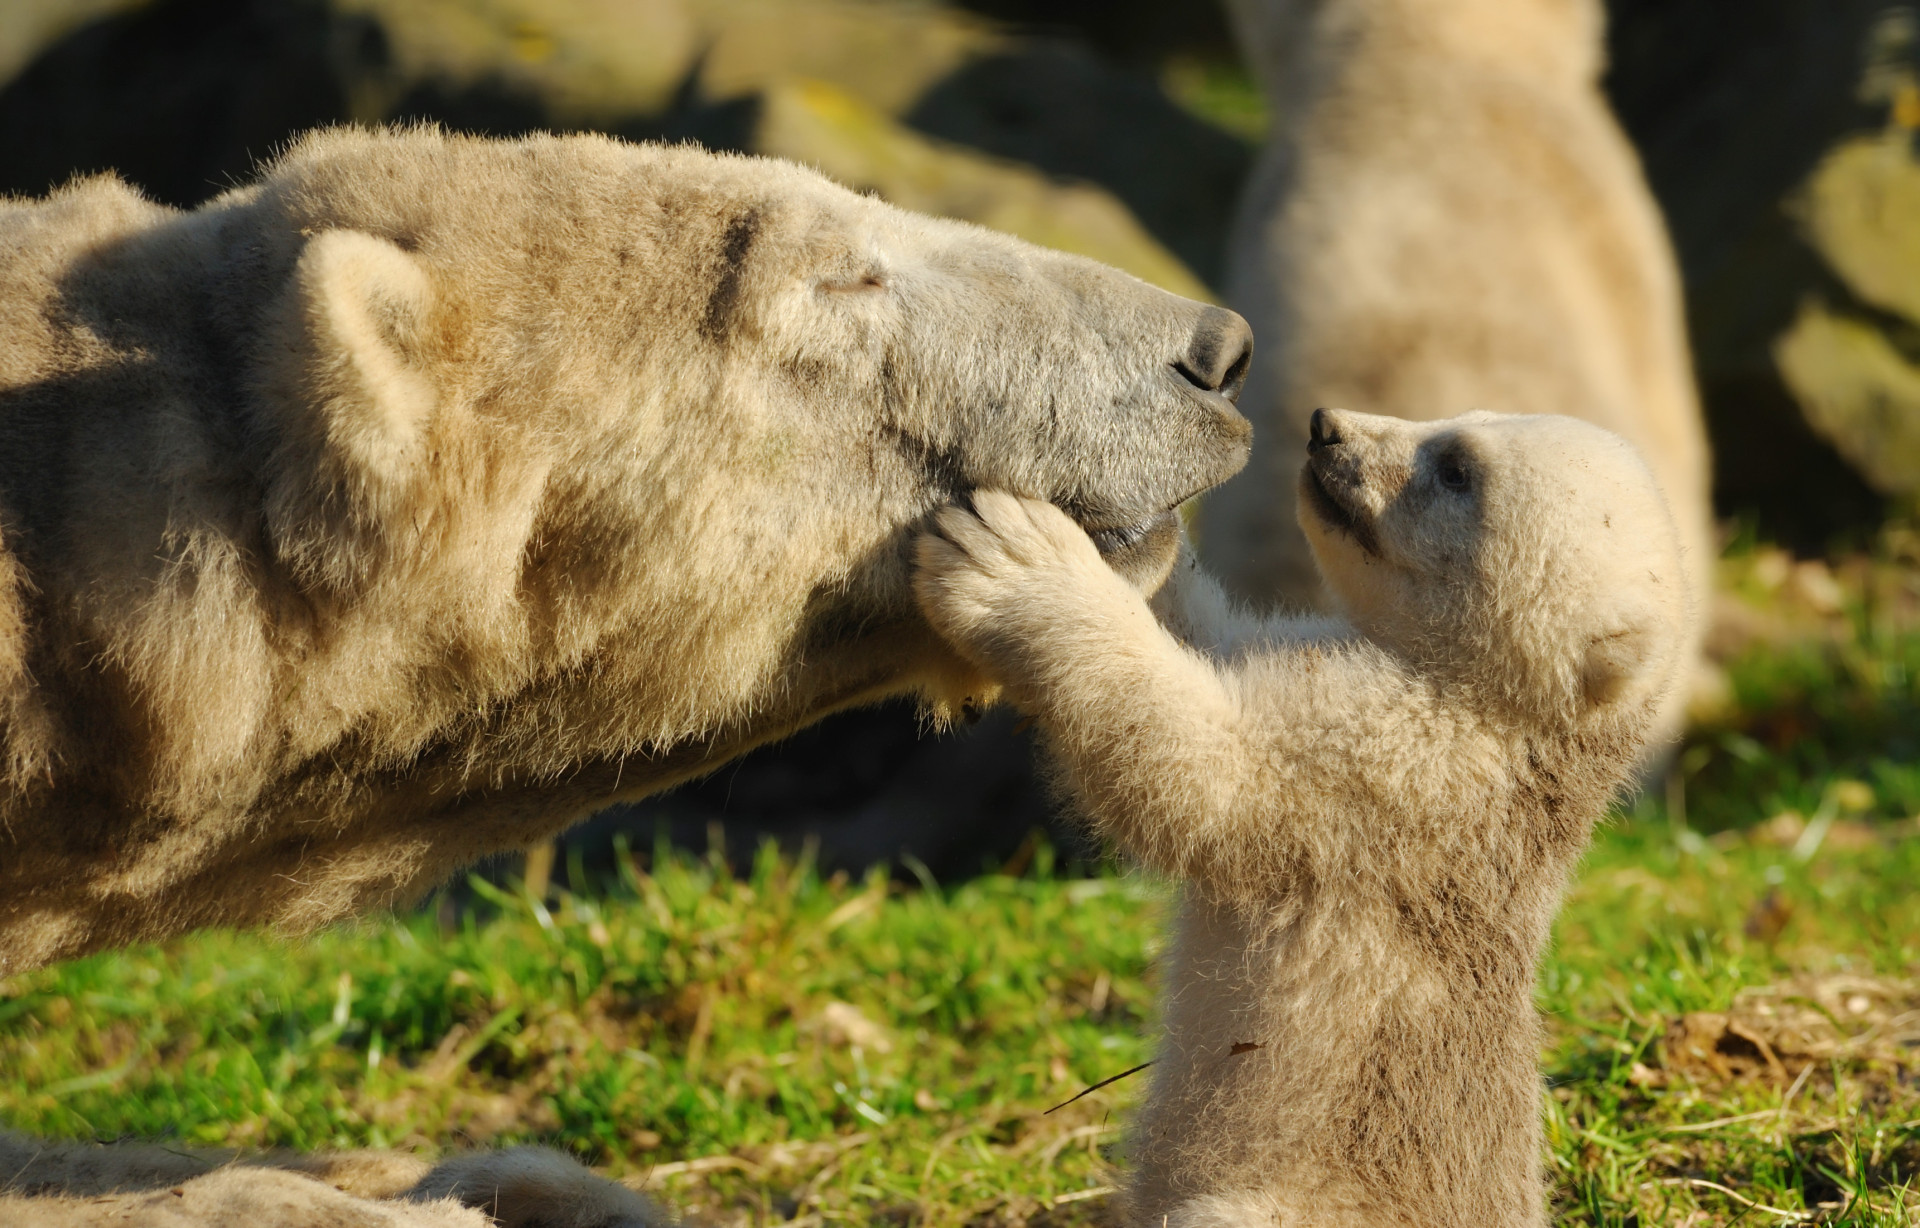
{"x":1321,"y":431}
{"x":1219,"y":354}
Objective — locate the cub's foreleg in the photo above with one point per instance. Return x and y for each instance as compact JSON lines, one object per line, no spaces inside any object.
{"x":1151,"y":734}
{"x":1192,"y":605}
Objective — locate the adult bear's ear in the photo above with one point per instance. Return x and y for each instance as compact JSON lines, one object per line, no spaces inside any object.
{"x":364,"y":306}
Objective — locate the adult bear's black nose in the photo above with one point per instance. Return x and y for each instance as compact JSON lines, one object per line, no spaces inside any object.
{"x":1322,"y":431}
{"x":1218,"y":356}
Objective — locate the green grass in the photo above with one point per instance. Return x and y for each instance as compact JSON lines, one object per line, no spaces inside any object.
{"x":780,"y":1047}
{"x":1656,"y":929}
{"x":686,"y":1016}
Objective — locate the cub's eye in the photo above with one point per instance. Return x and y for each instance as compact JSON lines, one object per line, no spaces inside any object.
{"x":1453,"y":473}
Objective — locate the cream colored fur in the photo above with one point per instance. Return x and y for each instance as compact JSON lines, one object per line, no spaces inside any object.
{"x":1373,"y":817}
{"x":81,"y":1185}
{"x":430,"y":492}
{"x":236,"y":1198}
{"x":1446,"y":217}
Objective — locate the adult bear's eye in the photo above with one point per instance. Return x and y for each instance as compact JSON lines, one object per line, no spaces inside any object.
{"x":1453,"y":473}
{"x":866,"y":283}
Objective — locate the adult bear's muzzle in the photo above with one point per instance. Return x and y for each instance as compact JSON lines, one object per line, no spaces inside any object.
{"x":1218,"y":357}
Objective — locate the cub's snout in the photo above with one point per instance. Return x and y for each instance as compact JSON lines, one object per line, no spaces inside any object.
{"x":1322,"y":432}
{"x":1334,"y":483}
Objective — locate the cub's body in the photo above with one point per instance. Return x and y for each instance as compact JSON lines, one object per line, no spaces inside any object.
{"x":1372,"y":818}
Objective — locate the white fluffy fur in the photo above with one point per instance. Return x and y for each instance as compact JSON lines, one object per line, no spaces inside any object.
{"x":1373,"y":816}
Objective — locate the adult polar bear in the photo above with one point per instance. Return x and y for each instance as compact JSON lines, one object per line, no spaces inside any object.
{"x":431,"y":491}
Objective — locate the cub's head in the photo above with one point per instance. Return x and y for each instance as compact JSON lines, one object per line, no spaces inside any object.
{"x":1530,"y":558}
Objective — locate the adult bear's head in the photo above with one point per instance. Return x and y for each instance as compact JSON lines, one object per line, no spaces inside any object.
{"x":961,"y":358}
{"x":667,"y":421}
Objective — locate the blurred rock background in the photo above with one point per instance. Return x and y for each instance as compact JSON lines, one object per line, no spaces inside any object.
{"x":1776,"y":135}
{"x":1779,"y":136}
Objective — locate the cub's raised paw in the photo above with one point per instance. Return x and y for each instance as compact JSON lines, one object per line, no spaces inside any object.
{"x":1005,"y":572}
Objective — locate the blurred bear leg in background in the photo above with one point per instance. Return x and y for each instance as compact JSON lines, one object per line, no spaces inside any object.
{"x":1446,"y":217}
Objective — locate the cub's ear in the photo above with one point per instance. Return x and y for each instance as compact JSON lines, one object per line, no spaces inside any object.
{"x":1615,"y":660}
{"x":364,"y":306}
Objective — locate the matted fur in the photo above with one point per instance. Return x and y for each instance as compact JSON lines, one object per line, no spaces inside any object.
{"x":1373,"y":818}
{"x":430,"y":492}
{"x":237,"y":1198}
{"x":1446,"y":217}
{"x":83,"y":1185}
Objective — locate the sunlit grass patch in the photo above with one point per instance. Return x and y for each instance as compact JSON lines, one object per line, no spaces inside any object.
{"x":776,"y":1043}
{"x":1694,"y":1048}
{"x":1822,"y":711}
{"x":778,"y":1047}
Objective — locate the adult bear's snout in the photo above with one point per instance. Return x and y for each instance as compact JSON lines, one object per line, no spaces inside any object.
{"x":1219,"y":354}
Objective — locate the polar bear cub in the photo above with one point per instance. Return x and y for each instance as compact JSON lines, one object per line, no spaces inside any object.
{"x":1373,"y":817}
